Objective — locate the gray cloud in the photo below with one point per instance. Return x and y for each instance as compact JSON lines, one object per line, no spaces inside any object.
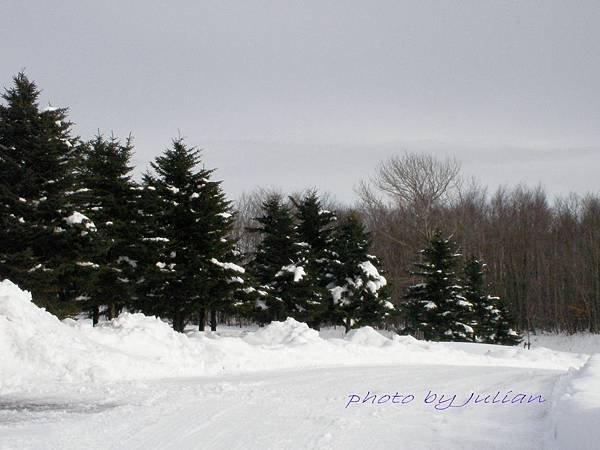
{"x":295,"y":93}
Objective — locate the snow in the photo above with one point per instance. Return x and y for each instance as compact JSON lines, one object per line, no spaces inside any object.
{"x":377,"y":281}
{"x":87,"y":264}
{"x":228,"y":266}
{"x":156,"y":239}
{"x":575,"y":412}
{"x":36,"y":345}
{"x":290,"y":332}
{"x":367,"y":336}
{"x":336,"y":293}
{"x":127,"y":260}
{"x":578,"y":343}
{"x":138,"y":383}
{"x":298,"y":272}
{"x":78,"y":218}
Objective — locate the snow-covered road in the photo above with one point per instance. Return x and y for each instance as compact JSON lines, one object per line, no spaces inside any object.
{"x":285,"y":409}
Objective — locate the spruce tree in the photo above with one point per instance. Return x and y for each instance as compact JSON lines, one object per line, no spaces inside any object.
{"x":109,"y":197}
{"x":277,"y":248}
{"x":485,"y":313}
{"x":295,"y":287}
{"x":435,"y":307}
{"x":43,"y":237}
{"x":505,"y":332}
{"x":491,"y":319}
{"x":315,"y":228}
{"x":358,"y":288}
{"x":188,"y":257}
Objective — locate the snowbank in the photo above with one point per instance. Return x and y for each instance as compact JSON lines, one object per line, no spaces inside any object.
{"x":36,"y":349}
{"x":575,"y":413}
{"x":290,"y":332}
{"x":367,"y":336}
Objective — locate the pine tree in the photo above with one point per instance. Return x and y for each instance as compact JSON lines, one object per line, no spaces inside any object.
{"x":436,"y":307}
{"x":505,"y":332}
{"x":294,"y":286}
{"x":485,"y":314}
{"x":109,"y":197}
{"x":358,"y":288}
{"x":315,"y":228}
{"x":187,"y":255}
{"x":277,"y":249}
{"x":43,"y":236}
{"x":491,"y":319}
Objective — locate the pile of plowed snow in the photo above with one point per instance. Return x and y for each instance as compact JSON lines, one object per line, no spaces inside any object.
{"x":575,"y":412}
{"x":36,"y":349}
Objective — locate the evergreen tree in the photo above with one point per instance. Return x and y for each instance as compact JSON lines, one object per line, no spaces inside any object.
{"x":485,"y":314}
{"x":505,"y":332}
{"x":491,"y":319}
{"x":251,"y":301}
{"x":278,"y":248}
{"x":358,"y":288}
{"x":295,"y":287}
{"x":43,"y":236}
{"x":436,"y":307}
{"x":187,"y":257}
{"x":315,"y":228}
{"x":109,"y":197}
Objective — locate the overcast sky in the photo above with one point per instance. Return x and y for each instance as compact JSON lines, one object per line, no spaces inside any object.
{"x":314,"y":93}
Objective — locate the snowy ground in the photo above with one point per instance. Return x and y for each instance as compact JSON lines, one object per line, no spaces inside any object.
{"x":134,"y":383}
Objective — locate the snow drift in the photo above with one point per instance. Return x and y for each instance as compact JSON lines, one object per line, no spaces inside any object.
{"x":575,"y":413}
{"x":37,"y":349}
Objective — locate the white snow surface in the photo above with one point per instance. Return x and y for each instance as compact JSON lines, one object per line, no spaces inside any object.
{"x":133,"y":382}
{"x":575,"y":412}
{"x":36,"y":347}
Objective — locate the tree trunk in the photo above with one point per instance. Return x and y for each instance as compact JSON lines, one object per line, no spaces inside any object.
{"x":213,"y":320}
{"x":95,"y":315}
{"x":112,"y":311}
{"x":178,"y":322}
{"x":201,"y":319}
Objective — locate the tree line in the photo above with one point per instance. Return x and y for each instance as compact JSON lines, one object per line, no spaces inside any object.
{"x":83,"y":235}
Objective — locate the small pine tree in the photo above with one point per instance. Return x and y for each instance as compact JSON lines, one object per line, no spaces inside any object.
{"x":108,"y":196}
{"x":276,"y":249}
{"x":294,"y":286}
{"x":358,"y":289}
{"x":491,"y":319}
{"x":505,"y":332}
{"x":485,"y":314}
{"x":251,"y":301}
{"x":436,"y":307}
{"x":187,"y":254}
{"x":315,"y":228}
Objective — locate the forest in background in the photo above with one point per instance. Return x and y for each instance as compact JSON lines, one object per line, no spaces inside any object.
{"x":542,"y":254}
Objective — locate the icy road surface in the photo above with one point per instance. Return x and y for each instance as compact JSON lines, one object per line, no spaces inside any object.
{"x":289,"y":409}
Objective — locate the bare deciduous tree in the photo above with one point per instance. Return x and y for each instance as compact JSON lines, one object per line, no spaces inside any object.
{"x":415,"y":182}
